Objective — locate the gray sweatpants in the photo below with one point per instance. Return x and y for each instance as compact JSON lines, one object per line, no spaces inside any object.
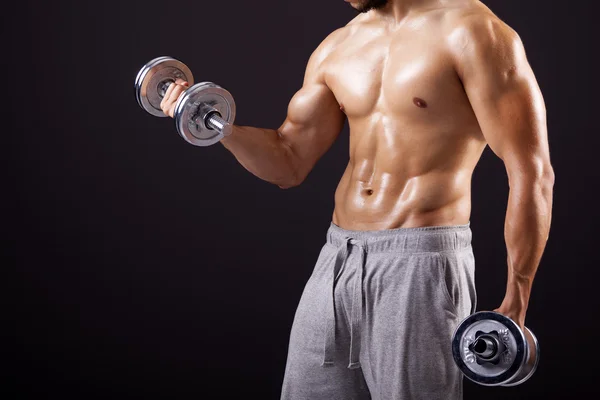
{"x":376,"y":317}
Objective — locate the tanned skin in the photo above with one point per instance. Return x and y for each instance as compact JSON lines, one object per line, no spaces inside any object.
{"x":425,"y":85}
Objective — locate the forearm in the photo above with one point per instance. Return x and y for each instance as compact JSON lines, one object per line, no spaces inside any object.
{"x":263,"y":153}
{"x":526,"y":231}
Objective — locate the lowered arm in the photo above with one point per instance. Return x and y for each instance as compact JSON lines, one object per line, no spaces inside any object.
{"x":502,"y":89}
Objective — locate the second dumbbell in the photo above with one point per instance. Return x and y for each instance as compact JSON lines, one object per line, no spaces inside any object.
{"x":491,"y":349}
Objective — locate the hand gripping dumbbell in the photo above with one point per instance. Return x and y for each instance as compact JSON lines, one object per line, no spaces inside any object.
{"x":204,"y":114}
{"x":491,"y":349}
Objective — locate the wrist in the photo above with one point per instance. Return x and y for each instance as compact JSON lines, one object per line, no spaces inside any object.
{"x":518,"y":290}
{"x":228,"y":137}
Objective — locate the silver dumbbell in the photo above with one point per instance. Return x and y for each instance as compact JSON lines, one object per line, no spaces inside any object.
{"x":491,"y":349}
{"x":204,"y":114}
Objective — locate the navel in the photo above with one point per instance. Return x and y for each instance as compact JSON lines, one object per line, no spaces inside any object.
{"x":420,"y":102}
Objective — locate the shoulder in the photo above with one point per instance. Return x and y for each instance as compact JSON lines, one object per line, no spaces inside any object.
{"x":481,"y":28}
{"x":477,"y":36}
{"x":330,"y":43}
{"x":338,"y":36}
{"x":316,"y":62}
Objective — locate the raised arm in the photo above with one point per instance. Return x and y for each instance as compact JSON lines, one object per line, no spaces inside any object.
{"x":500,"y":84}
{"x":285,"y":156}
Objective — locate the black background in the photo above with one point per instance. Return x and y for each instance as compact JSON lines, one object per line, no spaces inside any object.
{"x":139,"y":266}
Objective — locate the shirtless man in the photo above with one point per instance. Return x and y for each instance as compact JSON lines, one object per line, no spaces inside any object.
{"x":425,"y":85}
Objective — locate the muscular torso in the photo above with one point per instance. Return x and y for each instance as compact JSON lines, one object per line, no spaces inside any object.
{"x":414,"y":138}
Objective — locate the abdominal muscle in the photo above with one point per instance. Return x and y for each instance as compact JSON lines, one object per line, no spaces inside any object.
{"x":406,"y":186}
{"x":387,"y":201}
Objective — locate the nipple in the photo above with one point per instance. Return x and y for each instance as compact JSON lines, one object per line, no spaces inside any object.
{"x":420,"y":102}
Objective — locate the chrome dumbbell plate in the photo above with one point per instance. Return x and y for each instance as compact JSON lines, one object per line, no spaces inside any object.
{"x":491,"y":349}
{"x":153,"y":79}
{"x":530,"y":366}
{"x":195,"y":105}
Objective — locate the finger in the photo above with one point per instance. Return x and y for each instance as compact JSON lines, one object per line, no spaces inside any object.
{"x":167,"y":93}
{"x":176,"y":93}
{"x":181,"y":82}
{"x":173,"y":104}
{"x":165,"y":103}
{"x":174,"y":98}
{"x":169,"y":101}
{"x":172,"y":110}
{"x":180,"y":88}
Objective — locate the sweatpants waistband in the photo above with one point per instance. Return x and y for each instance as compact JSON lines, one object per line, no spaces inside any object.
{"x":405,"y":240}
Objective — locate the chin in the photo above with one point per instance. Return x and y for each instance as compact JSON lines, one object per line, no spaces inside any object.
{"x":364,"y":6}
{"x":356,"y":4}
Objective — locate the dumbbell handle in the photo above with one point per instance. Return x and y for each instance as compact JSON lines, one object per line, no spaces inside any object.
{"x":217,"y":123}
{"x":208,"y":116}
